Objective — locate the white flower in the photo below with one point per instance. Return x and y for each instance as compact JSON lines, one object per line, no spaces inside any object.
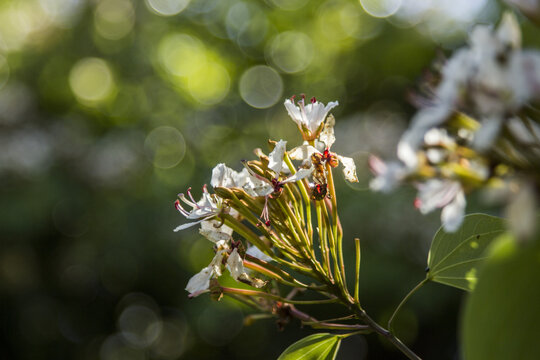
{"x":204,"y":209}
{"x":257,"y":185}
{"x":445,"y":194}
{"x":491,"y":79}
{"x":388,"y":175}
{"x":324,"y":142}
{"x":309,"y":116}
{"x":223,"y":176}
{"x":413,"y":138}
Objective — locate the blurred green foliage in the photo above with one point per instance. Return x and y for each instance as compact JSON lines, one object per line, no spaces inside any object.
{"x":109,"y":108}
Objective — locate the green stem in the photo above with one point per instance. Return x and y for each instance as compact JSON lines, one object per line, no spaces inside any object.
{"x":302,"y":186}
{"x":357,"y":279}
{"x":415,"y":289}
{"x":323,"y":241}
{"x":338,"y":234}
{"x":227,"y":290}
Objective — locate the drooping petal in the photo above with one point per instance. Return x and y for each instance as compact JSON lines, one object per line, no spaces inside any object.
{"x":327,"y":134}
{"x":217,"y":261}
{"x":349,"y":168}
{"x":275,"y":158}
{"x":300,"y":174}
{"x":235,"y":264}
{"x":188,"y":225}
{"x":200,"y":281}
{"x":453,"y":213}
{"x":214,"y":231}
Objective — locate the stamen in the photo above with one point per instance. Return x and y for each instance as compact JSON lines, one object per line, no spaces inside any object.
{"x":313,"y":100}
{"x":292,"y":98}
{"x":417,"y":203}
{"x":192,"y":199}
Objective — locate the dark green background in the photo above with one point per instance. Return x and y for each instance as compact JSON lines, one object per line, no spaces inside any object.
{"x":88,"y":257}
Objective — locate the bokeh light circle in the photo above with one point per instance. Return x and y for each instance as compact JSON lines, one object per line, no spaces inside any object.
{"x":139,"y":325}
{"x":4,"y":71}
{"x":210,"y":84}
{"x":291,"y":51}
{"x":181,"y":54}
{"x":91,"y":80}
{"x":114,"y":19}
{"x":381,"y":8}
{"x":261,"y":86}
{"x":167,"y":7}
{"x":165,"y":146}
{"x":290,"y":5}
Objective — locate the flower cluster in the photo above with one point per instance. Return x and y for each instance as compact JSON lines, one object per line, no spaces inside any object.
{"x":268,"y":205}
{"x":475,"y":128}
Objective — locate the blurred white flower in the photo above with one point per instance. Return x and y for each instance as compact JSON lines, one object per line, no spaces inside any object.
{"x":445,"y":194}
{"x":388,"y":175}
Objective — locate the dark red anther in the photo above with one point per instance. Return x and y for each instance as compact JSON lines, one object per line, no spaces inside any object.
{"x":313,"y":100}
{"x":326,"y":154}
{"x":267,"y":223}
{"x":177,"y":205}
{"x":292,"y":98}
{"x":417,"y":203}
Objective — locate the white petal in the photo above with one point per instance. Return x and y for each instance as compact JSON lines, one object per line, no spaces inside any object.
{"x":188,"y":225}
{"x":487,"y":134}
{"x":388,"y":175}
{"x":453,"y":213}
{"x":300,"y":174}
{"x":221,"y":176}
{"x":211,"y":232}
{"x":303,"y":152}
{"x":235,"y":264}
{"x":436,"y":193}
{"x":257,"y":253}
{"x":327,"y":135}
{"x":436,"y":156}
{"x":216,"y":263}
{"x":294,"y":111}
{"x":413,"y":138}
{"x":349,"y":168}
{"x":275,"y":158}
{"x":508,"y":31}
{"x":257,"y":187}
{"x":200,"y":281}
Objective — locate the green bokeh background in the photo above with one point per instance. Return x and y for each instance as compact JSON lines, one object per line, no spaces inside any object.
{"x":110,"y":108}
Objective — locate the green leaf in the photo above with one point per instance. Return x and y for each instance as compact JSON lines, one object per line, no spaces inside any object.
{"x":454,"y":257}
{"x":321,"y":346}
{"x":502,"y":316}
